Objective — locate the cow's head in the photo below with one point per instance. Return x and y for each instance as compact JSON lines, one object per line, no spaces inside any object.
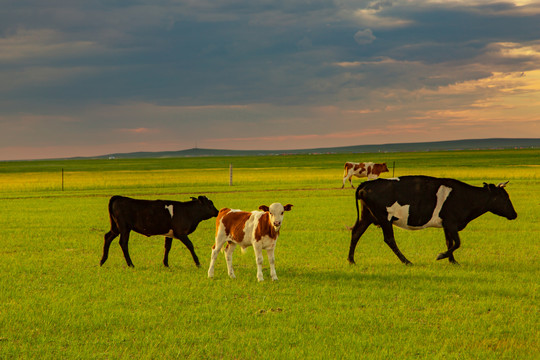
{"x":276,"y":211}
{"x":499,"y":202}
{"x":207,"y":206}
{"x":384,"y":168}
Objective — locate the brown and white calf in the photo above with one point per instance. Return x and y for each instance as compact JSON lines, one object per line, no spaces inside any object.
{"x":364,"y":169}
{"x":259,"y":229}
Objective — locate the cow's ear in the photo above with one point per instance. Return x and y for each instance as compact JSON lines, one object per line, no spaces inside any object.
{"x":193,"y":198}
{"x":485,"y":185}
{"x":264,"y":208}
{"x":288,"y":207}
{"x":501,"y":185}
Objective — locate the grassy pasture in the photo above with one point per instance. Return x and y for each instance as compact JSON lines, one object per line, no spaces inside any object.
{"x":56,"y":302}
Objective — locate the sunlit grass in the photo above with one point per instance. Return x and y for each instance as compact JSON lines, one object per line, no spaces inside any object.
{"x":57,"y":302}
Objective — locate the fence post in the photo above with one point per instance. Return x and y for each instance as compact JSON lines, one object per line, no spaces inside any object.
{"x":62,"y":179}
{"x":394,"y":169}
{"x":230,"y":174}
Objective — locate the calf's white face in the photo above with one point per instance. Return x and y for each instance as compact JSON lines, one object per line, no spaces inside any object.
{"x":276,"y":212}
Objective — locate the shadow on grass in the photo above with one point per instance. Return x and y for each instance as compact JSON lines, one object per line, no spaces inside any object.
{"x":384,"y":274}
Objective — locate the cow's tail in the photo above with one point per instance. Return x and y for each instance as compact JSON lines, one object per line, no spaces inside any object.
{"x":356,"y":200}
{"x":345,"y":171}
{"x":358,"y":195}
{"x":114,"y":225}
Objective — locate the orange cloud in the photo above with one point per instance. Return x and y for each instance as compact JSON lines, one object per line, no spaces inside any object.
{"x":411,"y":128}
{"x":140,"y":130}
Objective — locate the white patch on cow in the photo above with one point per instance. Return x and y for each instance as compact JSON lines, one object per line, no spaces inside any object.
{"x":268,"y":242}
{"x":169,"y":234}
{"x":170,"y":208}
{"x":401,"y":212}
{"x":249,"y":229}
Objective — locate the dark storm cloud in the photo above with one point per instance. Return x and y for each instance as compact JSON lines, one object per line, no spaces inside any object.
{"x":237,"y":51}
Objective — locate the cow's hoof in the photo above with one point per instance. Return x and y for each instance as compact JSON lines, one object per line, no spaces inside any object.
{"x":442,"y":256}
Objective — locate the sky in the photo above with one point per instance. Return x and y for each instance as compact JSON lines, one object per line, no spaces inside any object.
{"x":94,"y":77}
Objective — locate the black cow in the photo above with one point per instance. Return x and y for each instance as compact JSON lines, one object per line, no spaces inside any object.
{"x":418,"y":202}
{"x":173,"y":219}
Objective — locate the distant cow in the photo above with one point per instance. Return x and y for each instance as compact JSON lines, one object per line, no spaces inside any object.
{"x":364,"y":169}
{"x":257,"y":228}
{"x":172,"y":219}
{"x":418,"y":202}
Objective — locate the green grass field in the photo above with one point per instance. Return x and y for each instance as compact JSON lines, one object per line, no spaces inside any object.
{"x":57,"y":302}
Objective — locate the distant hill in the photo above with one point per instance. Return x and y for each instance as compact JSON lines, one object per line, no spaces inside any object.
{"x":475,"y":144}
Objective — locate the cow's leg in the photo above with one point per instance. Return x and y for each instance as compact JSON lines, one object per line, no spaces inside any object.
{"x":109,"y":237}
{"x":168,"y":245}
{"x":449,"y":245}
{"x":388,"y":232}
{"x":271,"y":260}
{"x":124,"y":239}
{"x":185,"y":240}
{"x":259,"y":259}
{"x":220,"y":240}
{"x":347,"y":176}
{"x":229,"y":249}
{"x":453,"y":242}
{"x":357,"y":231}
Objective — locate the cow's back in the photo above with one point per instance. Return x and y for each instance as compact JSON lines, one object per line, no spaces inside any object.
{"x":141,"y":215}
{"x":399,"y":189}
{"x":237,"y":225}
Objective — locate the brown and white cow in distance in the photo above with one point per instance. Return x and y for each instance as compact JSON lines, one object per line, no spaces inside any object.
{"x":259,"y":229}
{"x":364,"y":169}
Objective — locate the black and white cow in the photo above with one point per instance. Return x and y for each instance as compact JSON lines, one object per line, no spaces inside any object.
{"x":418,"y":202}
{"x":172,"y":219}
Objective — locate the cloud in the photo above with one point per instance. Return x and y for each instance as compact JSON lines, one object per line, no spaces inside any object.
{"x":170,"y":73}
{"x":364,"y":37}
{"x":28,"y":45}
{"x":140,"y":131}
{"x":371,"y":18}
